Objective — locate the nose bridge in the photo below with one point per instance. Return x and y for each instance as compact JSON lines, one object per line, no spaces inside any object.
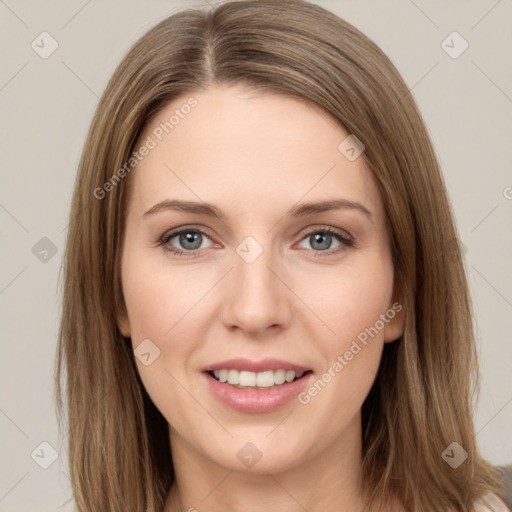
{"x":256,"y":297}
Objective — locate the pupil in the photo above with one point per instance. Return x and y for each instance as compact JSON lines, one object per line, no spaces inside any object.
{"x":318,"y":237}
{"x":192,"y":238}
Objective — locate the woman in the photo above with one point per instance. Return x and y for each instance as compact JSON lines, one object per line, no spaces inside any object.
{"x":260,"y":309}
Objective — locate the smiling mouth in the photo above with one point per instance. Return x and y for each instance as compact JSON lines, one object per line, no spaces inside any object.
{"x":243,"y":379}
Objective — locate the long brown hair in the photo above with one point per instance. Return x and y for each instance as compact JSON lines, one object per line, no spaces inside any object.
{"x":422,"y":399}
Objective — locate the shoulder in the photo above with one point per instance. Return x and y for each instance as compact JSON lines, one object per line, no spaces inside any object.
{"x":491,"y":503}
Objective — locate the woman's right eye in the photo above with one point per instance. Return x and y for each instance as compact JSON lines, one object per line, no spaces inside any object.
{"x":184,"y":241}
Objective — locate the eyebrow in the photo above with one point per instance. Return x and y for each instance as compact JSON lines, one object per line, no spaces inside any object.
{"x":300,"y":210}
{"x":199,"y":208}
{"x":304,"y":209}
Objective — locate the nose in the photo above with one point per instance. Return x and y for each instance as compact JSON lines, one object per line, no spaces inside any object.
{"x":256,"y":297}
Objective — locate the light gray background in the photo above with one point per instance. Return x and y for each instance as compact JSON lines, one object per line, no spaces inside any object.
{"x":46,"y":106}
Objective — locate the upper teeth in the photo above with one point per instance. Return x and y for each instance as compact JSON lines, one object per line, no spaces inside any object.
{"x":261,"y":379}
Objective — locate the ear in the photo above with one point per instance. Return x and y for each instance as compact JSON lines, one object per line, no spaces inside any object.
{"x":123,"y":323}
{"x":395,"y":315}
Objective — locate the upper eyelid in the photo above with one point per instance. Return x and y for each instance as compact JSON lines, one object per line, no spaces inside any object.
{"x":171,"y":233}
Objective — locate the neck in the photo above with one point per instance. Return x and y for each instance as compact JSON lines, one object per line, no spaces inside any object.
{"x":328,"y":480}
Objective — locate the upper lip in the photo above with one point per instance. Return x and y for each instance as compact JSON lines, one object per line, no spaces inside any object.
{"x":255,"y":366}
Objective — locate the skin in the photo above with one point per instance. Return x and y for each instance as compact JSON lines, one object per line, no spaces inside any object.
{"x":255,"y":157}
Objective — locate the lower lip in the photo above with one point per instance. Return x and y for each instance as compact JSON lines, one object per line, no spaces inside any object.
{"x":257,"y":400}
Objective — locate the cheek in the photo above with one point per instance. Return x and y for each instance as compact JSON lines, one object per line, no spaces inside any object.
{"x":361,"y":302}
{"x":149,"y":307}
{"x":160,"y":305}
{"x":160,"y":308}
{"x":349,"y":300}
{"x":158,"y":300}
{"x":355,"y":307}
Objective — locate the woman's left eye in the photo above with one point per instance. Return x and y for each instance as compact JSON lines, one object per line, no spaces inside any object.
{"x":321,"y":240}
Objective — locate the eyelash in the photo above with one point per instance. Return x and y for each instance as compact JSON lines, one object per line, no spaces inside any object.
{"x":344,"y":240}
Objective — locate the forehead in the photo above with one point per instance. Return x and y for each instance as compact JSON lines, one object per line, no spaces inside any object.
{"x":240,"y":147}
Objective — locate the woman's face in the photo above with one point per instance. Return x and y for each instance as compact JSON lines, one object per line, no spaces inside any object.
{"x":283,"y":262}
